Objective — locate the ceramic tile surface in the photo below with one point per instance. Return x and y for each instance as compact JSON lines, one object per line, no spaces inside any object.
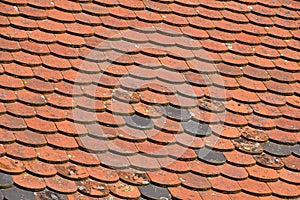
{"x":149,"y":99}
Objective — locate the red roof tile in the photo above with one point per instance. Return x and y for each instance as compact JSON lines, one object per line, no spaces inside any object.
{"x":169,"y":99}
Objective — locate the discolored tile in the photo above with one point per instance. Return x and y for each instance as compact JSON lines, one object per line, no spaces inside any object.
{"x":259,"y":122}
{"x":154,"y":192}
{"x":6,"y":180}
{"x":211,"y":105}
{"x":266,"y":110}
{"x":151,"y":97}
{"x":134,"y":177}
{"x":254,"y":135}
{"x":296,"y":150}
{"x":182,"y":101}
{"x":147,"y":110}
{"x":210,"y":156}
{"x":248,"y":146}
{"x":277,"y":149}
{"x":196,"y":128}
{"x":126,"y":96}
{"x":103,"y":174}
{"x":124,"y":190}
{"x":269,"y":161}
{"x":71,"y":171}
{"x":45,"y":194}
{"x":16,"y":193}
{"x":176,"y":113}
{"x":138,"y":122}
{"x":93,"y":188}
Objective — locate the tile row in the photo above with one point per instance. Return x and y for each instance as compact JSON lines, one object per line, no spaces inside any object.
{"x":36,"y":120}
{"x":100,"y":181}
{"x":205,"y":9}
{"x":228,"y":51}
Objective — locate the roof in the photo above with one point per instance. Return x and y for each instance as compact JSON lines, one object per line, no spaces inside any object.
{"x":170,"y":99}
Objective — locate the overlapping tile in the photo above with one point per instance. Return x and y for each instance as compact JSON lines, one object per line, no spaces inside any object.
{"x":118,"y":99}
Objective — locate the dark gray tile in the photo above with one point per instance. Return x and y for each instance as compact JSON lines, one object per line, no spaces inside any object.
{"x":296,"y":150}
{"x":210,"y":156}
{"x":14,"y":193}
{"x":196,"y":128}
{"x":5,"y":180}
{"x":154,"y":192}
{"x":139,"y":122}
{"x":179,"y":114}
{"x":276,"y":149}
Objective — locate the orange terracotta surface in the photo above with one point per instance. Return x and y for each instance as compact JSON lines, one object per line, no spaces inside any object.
{"x":147,"y":99}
